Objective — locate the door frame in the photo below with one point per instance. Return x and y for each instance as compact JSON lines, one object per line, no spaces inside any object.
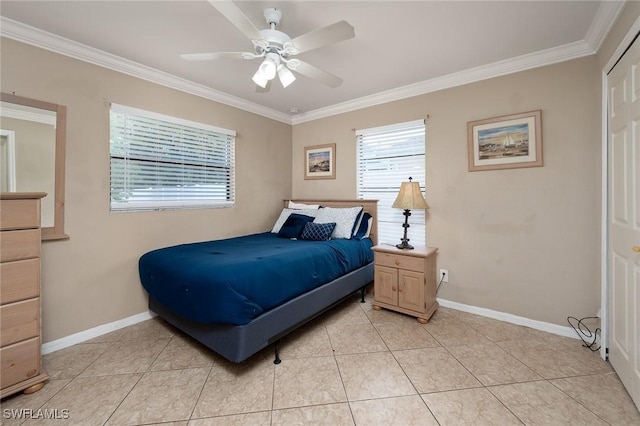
{"x":604,"y":270}
{"x":10,"y":165}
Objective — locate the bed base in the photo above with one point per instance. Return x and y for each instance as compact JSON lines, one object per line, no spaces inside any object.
{"x":237,"y":343}
{"x":276,"y":346}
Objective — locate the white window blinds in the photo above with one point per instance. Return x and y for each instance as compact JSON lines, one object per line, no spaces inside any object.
{"x":161,"y":162}
{"x":388,"y":156}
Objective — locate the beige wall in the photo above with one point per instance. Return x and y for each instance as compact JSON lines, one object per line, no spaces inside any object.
{"x":92,"y":278}
{"x":520,"y":241}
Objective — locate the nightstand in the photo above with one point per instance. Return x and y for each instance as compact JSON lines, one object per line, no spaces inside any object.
{"x":405,"y":280}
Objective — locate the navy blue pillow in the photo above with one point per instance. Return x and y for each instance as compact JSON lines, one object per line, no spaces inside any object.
{"x":293,"y":226}
{"x":317,"y":231}
{"x":363,"y":228}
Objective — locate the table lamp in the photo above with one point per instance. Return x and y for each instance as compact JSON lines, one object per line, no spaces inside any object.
{"x":409,"y":198}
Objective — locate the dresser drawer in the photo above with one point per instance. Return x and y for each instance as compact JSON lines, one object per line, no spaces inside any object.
{"x":19,"y":321}
{"x":400,"y":261}
{"x":18,"y":245}
{"x":19,"y":214}
{"x":19,"y":280}
{"x":19,"y":362}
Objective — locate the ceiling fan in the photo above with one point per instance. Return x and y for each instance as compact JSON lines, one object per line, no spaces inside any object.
{"x":277,"y":48}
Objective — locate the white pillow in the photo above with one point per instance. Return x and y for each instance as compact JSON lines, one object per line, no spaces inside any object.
{"x":345,"y":219}
{"x":284,"y":214}
{"x":293,"y":205}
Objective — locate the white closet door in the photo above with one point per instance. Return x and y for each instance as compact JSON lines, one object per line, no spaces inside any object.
{"x":624,"y":220}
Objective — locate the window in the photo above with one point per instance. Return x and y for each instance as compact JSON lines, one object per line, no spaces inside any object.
{"x":388,"y":156}
{"x":160,"y":162}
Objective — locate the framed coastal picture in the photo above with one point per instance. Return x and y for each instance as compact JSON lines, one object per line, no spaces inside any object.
{"x":320,"y":161}
{"x":506,"y":142}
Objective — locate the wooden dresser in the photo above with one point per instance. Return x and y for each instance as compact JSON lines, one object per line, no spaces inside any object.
{"x":20,"y":331}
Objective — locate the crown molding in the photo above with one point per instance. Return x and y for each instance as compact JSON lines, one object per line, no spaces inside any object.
{"x":30,"y":35}
{"x":20,"y":112}
{"x":496,"y":69}
{"x":606,"y":16}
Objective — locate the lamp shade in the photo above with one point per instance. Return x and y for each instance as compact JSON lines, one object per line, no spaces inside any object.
{"x":410,"y":197}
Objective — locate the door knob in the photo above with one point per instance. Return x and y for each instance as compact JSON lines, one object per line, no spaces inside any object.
{"x":636,"y":249}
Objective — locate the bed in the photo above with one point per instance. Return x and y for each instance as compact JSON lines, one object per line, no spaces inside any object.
{"x":264,"y":285}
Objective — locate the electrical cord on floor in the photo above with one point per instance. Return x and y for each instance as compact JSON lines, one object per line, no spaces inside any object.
{"x":440,"y":283}
{"x":584,"y":332}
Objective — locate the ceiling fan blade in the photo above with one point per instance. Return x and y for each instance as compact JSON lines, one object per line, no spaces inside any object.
{"x":321,"y":37}
{"x":316,"y":73}
{"x":230,"y":11}
{"x":212,"y":56}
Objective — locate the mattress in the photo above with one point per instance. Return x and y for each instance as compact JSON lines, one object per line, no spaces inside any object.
{"x":235,"y":280}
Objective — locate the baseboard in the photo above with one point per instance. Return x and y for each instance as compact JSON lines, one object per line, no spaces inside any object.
{"x":560,"y":330}
{"x":94,"y":332}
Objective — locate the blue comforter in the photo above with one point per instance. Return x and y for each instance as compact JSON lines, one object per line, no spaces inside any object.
{"x":235,"y":280}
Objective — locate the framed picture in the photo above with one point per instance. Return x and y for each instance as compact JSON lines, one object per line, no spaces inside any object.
{"x":506,"y":142}
{"x":320,"y":161}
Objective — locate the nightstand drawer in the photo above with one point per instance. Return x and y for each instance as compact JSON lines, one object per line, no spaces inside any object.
{"x":19,"y":280}
{"x":400,"y":261}
{"x":20,"y":321}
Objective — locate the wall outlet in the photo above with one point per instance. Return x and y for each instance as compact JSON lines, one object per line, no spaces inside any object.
{"x":444,"y":275}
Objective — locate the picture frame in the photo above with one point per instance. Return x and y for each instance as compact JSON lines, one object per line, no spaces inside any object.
{"x":506,"y":142}
{"x":320,"y":161}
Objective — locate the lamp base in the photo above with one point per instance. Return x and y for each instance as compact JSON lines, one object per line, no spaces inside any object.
{"x":404,"y":245}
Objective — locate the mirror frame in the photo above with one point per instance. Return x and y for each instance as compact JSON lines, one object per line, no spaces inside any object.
{"x":55,"y":232}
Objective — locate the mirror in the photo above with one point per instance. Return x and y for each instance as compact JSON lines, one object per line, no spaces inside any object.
{"x":32,"y":155}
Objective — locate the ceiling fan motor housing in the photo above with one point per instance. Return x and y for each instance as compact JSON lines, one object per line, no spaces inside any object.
{"x":272,"y":39}
{"x":275,"y":37}
{"x":272,"y":16}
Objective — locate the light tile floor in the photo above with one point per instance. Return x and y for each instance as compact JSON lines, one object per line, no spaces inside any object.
{"x":353,"y":365}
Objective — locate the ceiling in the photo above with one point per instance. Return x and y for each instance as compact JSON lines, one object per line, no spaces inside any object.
{"x":401,"y":48}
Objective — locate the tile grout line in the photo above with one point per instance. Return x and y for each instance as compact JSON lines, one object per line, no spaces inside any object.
{"x":137,"y":381}
{"x":572,"y":398}
{"x":344,"y":388}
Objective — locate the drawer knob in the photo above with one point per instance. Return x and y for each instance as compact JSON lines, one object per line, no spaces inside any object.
{"x":397,"y":262}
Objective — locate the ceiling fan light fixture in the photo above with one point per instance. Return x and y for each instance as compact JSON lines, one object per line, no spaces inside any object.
{"x":269,"y":66}
{"x":259,"y":79}
{"x":286,"y":76}
{"x":268,"y":69}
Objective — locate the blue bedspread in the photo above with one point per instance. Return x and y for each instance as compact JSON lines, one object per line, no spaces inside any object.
{"x":235,"y":280}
